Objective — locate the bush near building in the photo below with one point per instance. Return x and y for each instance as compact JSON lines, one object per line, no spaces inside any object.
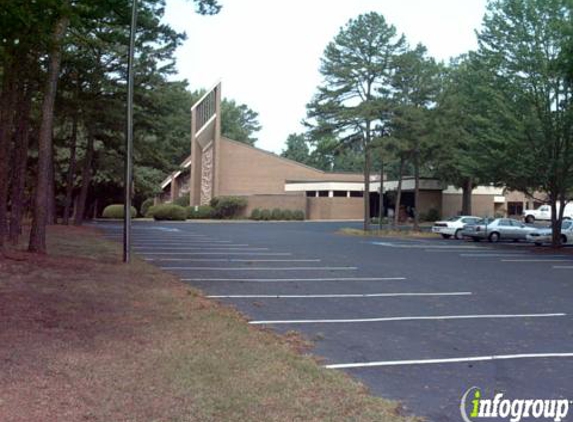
{"x":145,"y":205}
{"x":276,"y":214}
{"x":116,"y":211}
{"x":202,"y":212}
{"x":168,"y":212}
{"x":228,"y":206}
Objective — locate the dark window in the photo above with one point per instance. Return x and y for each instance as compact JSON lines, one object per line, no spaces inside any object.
{"x":322,"y":193}
{"x":515,"y":208}
{"x":356,"y":194}
{"x":311,"y":193}
{"x":340,"y":194}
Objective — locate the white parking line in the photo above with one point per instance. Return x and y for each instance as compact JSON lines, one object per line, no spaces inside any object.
{"x":408,"y":318}
{"x":490,"y":255}
{"x":230,"y":260}
{"x":429,"y":247}
{"x":262,"y":268}
{"x":174,"y":242}
{"x":365,"y":295}
{"x":563,"y":267}
{"x":206,"y":248}
{"x":219,"y":253}
{"x":448,"y":360}
{"x":536,"y":260}
{"x":280,"y":280}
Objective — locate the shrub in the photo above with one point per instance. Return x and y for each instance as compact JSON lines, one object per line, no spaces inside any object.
{"x":287,"y":215}
{"x":145,"y":206}
{"x":298,"y":215}
{"x":202,"y":212}
{"x":228,"y":206}
{"x":276,"y":214}
{"x":265,"y":215}
{"x":183,"y":201}
{"x":432,"y":215}
{"x":116,"y":211}
{"x":256,"y":214}
{"x":169,"y":212}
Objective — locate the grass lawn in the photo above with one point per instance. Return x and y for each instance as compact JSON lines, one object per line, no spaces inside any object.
{"x":86,"y":338}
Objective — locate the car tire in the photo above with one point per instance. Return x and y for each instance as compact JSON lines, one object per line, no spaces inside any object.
{"x":530,"y":219}
{"x":458,"y":235}
{"x":494,"y":237}
{"x":446,"y":236}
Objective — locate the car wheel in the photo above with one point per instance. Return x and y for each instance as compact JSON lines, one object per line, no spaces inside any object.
{"x":530,"y":219}
{"x":458,"y":234}
{"x":446,"y":236}
{"x":494,"y":237}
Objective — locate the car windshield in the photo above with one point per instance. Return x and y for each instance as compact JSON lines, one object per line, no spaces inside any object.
{"x":484,"y":221}
{"x":566,"y":225}
{"x":454,"y":218}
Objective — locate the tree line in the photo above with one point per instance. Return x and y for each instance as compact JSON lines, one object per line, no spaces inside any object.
{"x":63,"y":70}
{"x":499,"y":115}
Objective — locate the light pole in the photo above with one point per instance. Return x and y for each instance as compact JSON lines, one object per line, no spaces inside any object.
{"x":129,"y":139}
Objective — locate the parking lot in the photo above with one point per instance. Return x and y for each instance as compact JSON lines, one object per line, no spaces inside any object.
{"x":418,"y":320}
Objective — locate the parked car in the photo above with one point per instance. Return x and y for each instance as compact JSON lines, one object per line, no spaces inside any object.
{"x":541,"y":236}
{"x":453,"y":226}
{"x":543,"y":213}
{"x":498,"y":229}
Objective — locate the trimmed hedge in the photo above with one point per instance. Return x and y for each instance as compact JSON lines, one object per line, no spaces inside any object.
{"x":145,"y":205}
{"x":169,"y":212}
{"x":183,"y":201}
{"x":276,"y":214}
{"x":265,"y":215}
{"x":256,"y":214}
{"x":116,"y":211}
{"x":298,"y":215}
{"x":203,"y":212}
{"x":228,"y":206}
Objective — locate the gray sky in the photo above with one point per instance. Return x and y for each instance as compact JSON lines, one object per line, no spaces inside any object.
{"x":267,"y":52}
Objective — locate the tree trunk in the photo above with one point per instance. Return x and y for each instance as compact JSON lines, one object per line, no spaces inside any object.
{"x":381,"y":205}
{"x":86,"y":180}
{"x":416,"y":189}
{"x":399,"y":193}
{"x":38,"y":232}
{"x":366,"y":188}
{"x":20,"y":165}
{"x":51,"y":193}
{"x":6,"y":126}
{"x":467,"y":188}
{"x":71,"y":171}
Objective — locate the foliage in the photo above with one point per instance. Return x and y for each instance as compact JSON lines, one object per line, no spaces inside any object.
{"x":145,"y":205}
{"x":265,"y":215}
{"x":227,"y":206}
{"x":169,"y":212}
{"x":256,"y":214}
{"x":287,"y":215}
{"x":276,"y":214}
{"x":117,"y":211}
{"x":298,"y":215}
{"x":183,"y":201}
{"x":203,"y":212}
{"x":432,"y":215}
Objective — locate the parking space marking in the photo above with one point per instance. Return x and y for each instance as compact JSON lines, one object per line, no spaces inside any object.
{"x":536,"y":260}
{"x":423,"y":246}
{"x":281,"y":280}
{"x":328,"y":296}
{"x":448,"y":360}
{"x":490,"y":255}
{"x":563,"y":267}
{"x":220,"y":253}
{"x":407,"y":318}
{"x":262,"y":268}
{"x":214,"y":248}
{"x":174,"y":242}
{"x":485,"y":249}
{"x":230,"y":260}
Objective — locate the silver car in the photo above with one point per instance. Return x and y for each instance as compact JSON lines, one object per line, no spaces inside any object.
{"x":541,"y":236}
{"x":498,"y":229}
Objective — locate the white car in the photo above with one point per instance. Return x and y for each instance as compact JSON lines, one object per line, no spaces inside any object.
{"x":541,"y":236}
{"x":453,"y":226}
{"x":543,"y":213}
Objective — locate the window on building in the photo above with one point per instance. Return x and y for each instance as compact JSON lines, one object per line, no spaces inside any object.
{"x":323,"y":193}
{"x":339,"y":194}
{"x":311,"y":193}
{"x":515,"y":208}
{"x":356,"y":194}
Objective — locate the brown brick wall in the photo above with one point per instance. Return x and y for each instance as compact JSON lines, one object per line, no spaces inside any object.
{"x":335,"y":208}
{"x":482,"y":205}
{"x":245,"y":170}
{"x":430,"y":200}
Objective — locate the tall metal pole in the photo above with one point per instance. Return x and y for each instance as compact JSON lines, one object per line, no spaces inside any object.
{"x":129,"y":139}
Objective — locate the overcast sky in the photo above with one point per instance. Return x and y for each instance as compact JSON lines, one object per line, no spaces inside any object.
{"x":267,"y":52}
